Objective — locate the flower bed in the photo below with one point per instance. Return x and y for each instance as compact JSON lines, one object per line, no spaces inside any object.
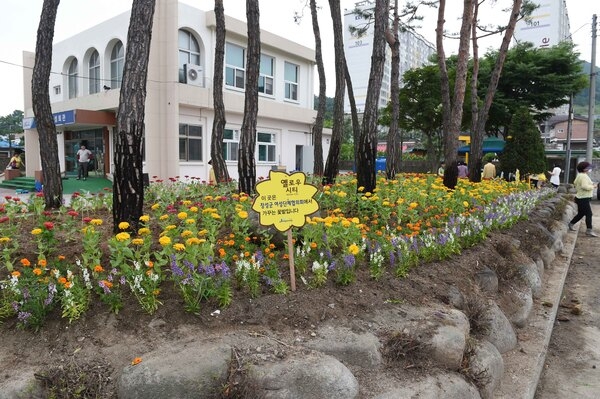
{"x":203,"y":241}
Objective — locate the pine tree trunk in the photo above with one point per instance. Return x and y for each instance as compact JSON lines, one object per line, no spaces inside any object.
{"x":353,"y":111}
{"x":476,"y":145}
{"x":367,"y":143}
{"x":394,"y":148}
{"x":128,"y":186}
{"x":247,"y":163}
{"x":53,"y":189}
{"x":333,"y":157}
{"x":216,"y":142}
{"x":317,"y":130}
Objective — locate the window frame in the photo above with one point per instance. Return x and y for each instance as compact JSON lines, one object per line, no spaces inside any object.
{"x":268,"y":145}
{"x":187,"y":54}
{"x":265,"y":77}
{"x":117,"y":62}
{"x":186,"y":140}
{"x":94,"y":73}
{"x":238,"y":71}
{"x":230,"y":154}
{"x":289,"y":84}
{"x":72,"y":77}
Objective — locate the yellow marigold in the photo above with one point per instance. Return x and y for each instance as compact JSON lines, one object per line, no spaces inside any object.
{"x":243,"y":214}
{"x":25,"y":262}
{"x":164,"y":217}
{"x":346,"y":223}
{"x":123,"y":236}
{"x":202,"y":232}
{"x":355,"y":220}
{"x":186,"y":233}
{"x":164,"y":241}
{"x":4,"y":239}
{"x":37,"y":271}
{"x":137,"y":241}
{"x":144,"y":218}
{"x":361,"y":189}
{"x":182,"y":215}
{"x":465,"y":204}
{"x":413,"y":205}
{"x":190,"y":221}
{"x":170,"y":227}
{"x":42,"y":262}
{"x":208,"y":198}
{"x":96,"y":222}
{"x":179,"y":247}
{"x":154,"y":207}
{"x":186,"y":202}
{"x":36,"y":232}
{"x":98,"y":269}
{"x":194,"y":209}
{"x":215,"y":215}
{"x":144,"y":231}
{"x":156,"y":292}
{"x":149,"y":272}
{"x":243,"y":198}
{"x":353,"y":249}
{"x":192,"y":241}
{"x":123,"y":226}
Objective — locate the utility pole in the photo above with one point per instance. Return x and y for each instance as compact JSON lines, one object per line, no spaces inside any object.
{"x":592,"y":103}
{"x":569,"y":134}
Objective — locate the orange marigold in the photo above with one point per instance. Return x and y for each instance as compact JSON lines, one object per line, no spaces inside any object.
{"x":25,"y":262}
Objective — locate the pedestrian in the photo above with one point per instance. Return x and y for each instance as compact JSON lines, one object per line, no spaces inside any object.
{"x":489,"y":170}
{"x":555,"y":175}
{"x":83,"y":159}
{"x":212,"y":180}
{"x":441,"y":170}
{"x":584,"y":186}
{"x":15,"y":162}
{"x":463,"y":170}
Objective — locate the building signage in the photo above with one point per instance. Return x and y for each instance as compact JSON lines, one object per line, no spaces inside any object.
{"x":60,"y":119}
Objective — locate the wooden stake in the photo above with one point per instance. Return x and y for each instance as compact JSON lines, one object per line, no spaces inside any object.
{"x":291,"y":259}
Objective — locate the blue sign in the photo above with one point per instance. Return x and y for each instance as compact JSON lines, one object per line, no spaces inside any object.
{"x":60,"y":119}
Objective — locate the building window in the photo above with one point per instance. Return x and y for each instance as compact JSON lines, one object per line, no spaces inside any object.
{"x":291,"y":81}
{"x":189,"y":52}
{"x":57,"y":90}
{"x":235,"y":73}
{"x":190,"y":142}
{"x":231,"y":144}
{"x":265,"y":79}
{"x":72,"y":74}
{"x":117,"y":61}
{"x":94,"y":73}
{"x":266,"y":147}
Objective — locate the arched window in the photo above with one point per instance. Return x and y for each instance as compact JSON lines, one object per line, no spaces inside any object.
{"x":189,"y":51}
{"x":73,"y":75}
{"x":117,"y":61}
{"x":94,"y":73}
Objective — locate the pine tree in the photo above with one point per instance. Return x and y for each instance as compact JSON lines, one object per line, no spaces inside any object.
{"x":524,"y":148}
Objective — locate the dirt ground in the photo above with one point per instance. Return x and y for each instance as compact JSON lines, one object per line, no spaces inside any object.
{"x":100,"y":344}
{"x":572,"y":366}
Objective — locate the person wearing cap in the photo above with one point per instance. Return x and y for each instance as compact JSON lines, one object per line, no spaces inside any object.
{"x":584,"y":186}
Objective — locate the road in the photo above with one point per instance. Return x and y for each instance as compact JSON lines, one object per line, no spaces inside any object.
{"x":572,"y":368}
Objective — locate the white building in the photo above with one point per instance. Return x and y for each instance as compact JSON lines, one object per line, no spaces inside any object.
{"x":547,"y":26}
{"x":86,"y":77}
{"x":414,"y":53}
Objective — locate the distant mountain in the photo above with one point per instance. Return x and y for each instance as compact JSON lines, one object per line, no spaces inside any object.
{"x":581,"y":99}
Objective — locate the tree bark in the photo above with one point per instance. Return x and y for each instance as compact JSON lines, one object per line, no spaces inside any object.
{"x":128,"y":186}
{"x":394,"y":147}
{"x":333,"y":157}
{"x":482,"y":117}
{"x":53,"y":189}
{"x":246,"y":162}
{"x":476,"y":145}
{"x":367,"y":144}
{"x":355,"y":122}
{"x":317,"y":129}
{"x":216,"y":142}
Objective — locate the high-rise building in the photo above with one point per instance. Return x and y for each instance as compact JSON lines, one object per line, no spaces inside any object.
{"x":547,"y":26}
{"x":414,"y":53}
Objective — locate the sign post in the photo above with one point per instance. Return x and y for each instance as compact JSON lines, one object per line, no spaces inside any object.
{"x":283,"y":201}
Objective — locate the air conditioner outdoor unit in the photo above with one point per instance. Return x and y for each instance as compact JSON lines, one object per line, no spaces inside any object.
{"x":193,"y":74}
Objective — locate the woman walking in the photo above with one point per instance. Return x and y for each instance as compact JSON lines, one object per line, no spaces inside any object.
{"x":584,"y":186}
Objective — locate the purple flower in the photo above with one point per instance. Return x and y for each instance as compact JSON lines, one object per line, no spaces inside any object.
{"x":349,"y":261}
{"x":122,"y":280}
{"x":23,"y":316}
{"x":104,"y":287}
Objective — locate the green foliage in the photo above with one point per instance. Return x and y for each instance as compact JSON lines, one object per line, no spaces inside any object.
{"x":524,"y":149}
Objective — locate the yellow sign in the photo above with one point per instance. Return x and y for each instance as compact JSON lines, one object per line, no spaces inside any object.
{"x":285,"y":200}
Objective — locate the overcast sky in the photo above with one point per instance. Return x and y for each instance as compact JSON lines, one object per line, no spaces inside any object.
{"x":19,"y":20}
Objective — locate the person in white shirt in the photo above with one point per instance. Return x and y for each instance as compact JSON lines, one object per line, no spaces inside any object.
{"x":83,"y":159}
{"x":555,"y":176}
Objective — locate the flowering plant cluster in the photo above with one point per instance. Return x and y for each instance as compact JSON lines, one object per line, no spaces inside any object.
{"x":206,"y":243}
